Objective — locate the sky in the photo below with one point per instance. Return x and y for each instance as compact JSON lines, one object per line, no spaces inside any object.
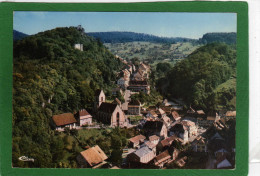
{"x":165,"y":24}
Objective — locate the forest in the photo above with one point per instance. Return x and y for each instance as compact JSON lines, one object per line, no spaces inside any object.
{"x":50,"y":77}
{"x":206,"y":79}
{"x":122,"y":37}
{"x":223,"y":37}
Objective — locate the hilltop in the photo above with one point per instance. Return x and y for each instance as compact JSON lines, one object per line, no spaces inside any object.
{"x":122,"y":37}
{"x":222,"y":37}
{"x":18,"y":35}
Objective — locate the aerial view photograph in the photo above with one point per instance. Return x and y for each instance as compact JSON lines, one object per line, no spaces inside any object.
{"x":124,"y":90}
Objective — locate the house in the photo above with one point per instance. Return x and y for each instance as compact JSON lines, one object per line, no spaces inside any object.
{"x":223,"y":164}
{"x":161,"y":113}
{"x":142,"y":155}
{"x":152,"y":114}
{"x":138,"y":76}
{"x":166,"y":109}
{"x":162,"y":159}
{"x":144,"y":67}
{"x":191,"y":111}
{"x":167,"y":120}
{"x":220,"y":124}
{"x":93,"y":157}
{"x":212,"y":117}
{"x":230,"y":115}
{"x":180,"y":131}
{"x":168,"y":103}
{"x":100,"y":97}
{"x":136,"y":141}
{"x":78,"y":46}
{"x":155,"y":128}
{"x":190,"y":126}
{"x":134,"y":107}
{"x":61,"y":121}
{"x":123,"y":82}
{"x":175,"y":116}
{"x":220,"y":153}
{"x":139,"y":86}
{"x":182,"y":161}
{"x":200,"y":144}
{"x":111,"y":114}
{"x":165,"y":143}
{"x":84,"y":117}
{"x":150,"y":145}
{"x":154,"y":139}
{"x":117,"y":91}
{"x":174,"y":152}
{"x":200,"y":113}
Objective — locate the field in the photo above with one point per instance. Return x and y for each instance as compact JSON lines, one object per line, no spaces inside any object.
{"x":152,"y":52}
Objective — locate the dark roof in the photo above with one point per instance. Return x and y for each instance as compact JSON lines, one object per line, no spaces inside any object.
{"x":64,"y":119}
{"x":153,"y":125}
{"x":107,"y":107}
{"x":138,"y":82}
{"x":134,"y":102}
{"x":98,"y":91}
{"x":177,"y":127}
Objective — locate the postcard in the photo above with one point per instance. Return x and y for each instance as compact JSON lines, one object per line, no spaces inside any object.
{"x":128,"y":89}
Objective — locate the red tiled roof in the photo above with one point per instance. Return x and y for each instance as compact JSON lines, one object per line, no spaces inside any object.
{"x":154,"y":137}
{"x":162,"y":157}
{"x":136,"y":139}
{"x":83,"y":112}
{"x":94,"y":155}
{"x":64,"y":119}
{"x":175,"y":115}
{"x":168,"y":141}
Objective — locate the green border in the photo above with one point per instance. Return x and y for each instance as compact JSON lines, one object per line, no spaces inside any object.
{"x":6,"y":41}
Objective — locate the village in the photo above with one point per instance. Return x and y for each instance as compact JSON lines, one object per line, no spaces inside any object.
{"x":169,"y":136}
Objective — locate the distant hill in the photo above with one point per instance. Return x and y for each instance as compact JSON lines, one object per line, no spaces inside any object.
{"x":223,"y":37}
{"x":122,"y":37}
{"x":18,"y":35}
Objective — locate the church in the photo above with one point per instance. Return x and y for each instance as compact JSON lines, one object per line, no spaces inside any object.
{"x":109,"y":113}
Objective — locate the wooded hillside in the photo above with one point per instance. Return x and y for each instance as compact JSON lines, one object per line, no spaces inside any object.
{"x":50,"y":77}
{"x":196,"y":78}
